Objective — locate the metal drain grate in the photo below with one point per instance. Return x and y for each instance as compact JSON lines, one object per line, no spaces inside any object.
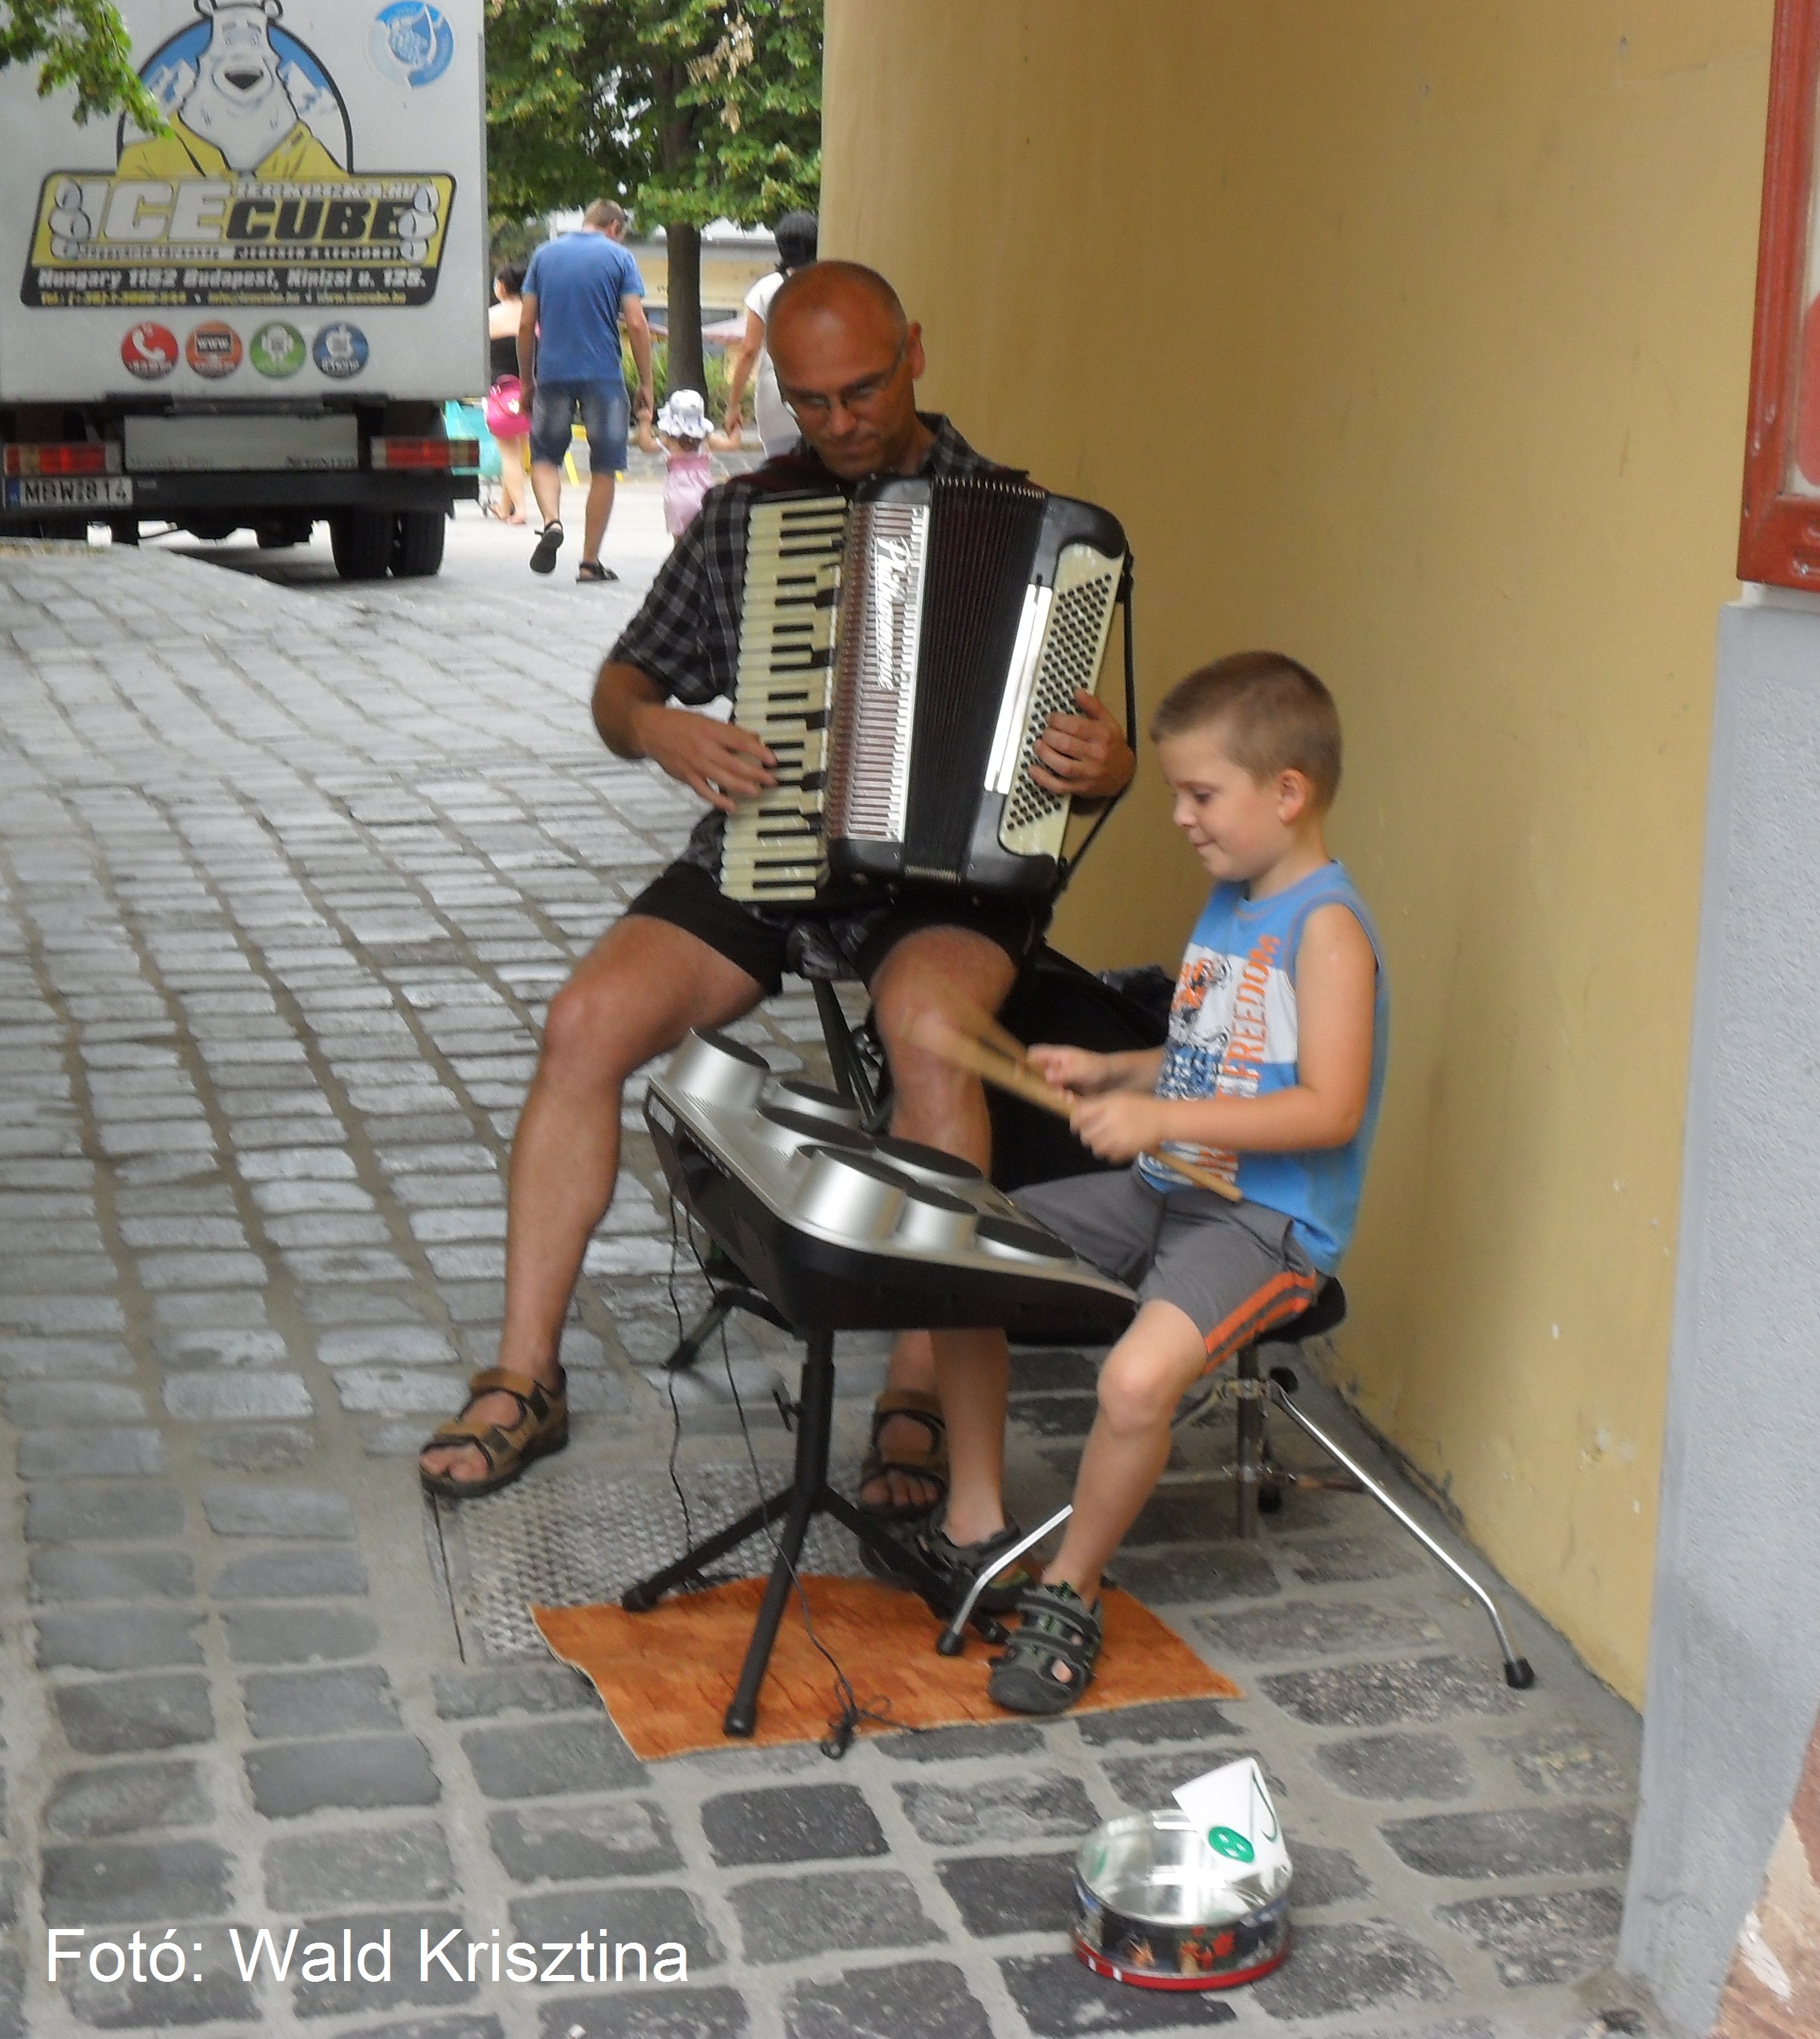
{"x":586,"y":1535}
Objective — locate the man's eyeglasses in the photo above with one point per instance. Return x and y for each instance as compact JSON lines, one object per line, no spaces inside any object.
{"x":812,"y":408}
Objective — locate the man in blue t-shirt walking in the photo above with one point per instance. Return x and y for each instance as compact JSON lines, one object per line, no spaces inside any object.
{"x":577,"y":291}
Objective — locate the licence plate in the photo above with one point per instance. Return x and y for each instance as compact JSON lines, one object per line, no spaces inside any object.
{"x":70,"y":491}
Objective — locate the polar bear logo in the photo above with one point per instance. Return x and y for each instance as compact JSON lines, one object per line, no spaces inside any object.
{"x":239,"y":101}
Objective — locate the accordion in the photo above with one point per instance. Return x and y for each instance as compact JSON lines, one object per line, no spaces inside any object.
{"x":900,"y":656}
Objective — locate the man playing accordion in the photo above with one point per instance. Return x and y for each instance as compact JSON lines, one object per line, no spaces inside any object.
{"x":685,"y":955}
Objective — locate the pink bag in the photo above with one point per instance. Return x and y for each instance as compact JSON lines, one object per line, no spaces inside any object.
{"x":505,"y":409}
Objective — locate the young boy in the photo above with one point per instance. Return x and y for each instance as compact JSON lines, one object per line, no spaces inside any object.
{"x":1271,"y":1076}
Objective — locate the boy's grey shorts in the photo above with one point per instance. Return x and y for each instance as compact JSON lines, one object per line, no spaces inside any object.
{"x":1235,"y":1269}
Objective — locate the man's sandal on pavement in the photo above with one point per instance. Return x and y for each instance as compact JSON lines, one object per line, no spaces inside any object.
{"x":542,"y":1427}
{"x":1059,"y":1632}
{"x":928,"y":1466}
{"x":549,"y":544}
{"x":592,"y":570}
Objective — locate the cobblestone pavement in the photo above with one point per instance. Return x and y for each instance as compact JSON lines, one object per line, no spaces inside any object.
{"x":286,"y":877}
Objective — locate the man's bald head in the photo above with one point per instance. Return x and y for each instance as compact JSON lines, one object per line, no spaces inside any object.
{"x":847,"y":359}
{"x":846,"y":291}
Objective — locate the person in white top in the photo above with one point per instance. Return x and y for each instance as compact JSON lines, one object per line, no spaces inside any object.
{"x":795,"y":233}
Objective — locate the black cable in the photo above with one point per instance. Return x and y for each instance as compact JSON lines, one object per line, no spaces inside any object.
{"x":669,"y":1382}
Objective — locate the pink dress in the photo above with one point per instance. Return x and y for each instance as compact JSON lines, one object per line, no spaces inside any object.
{"x":688,"y":478}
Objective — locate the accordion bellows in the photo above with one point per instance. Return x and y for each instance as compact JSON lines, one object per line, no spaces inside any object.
{"x":901,"y":656}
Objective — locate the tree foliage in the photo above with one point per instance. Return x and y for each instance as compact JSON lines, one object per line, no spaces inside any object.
{"x":686,"y":110}
{"x":83,"y":44}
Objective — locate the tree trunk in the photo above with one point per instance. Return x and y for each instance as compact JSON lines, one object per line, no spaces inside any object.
{"x":685,"y":369}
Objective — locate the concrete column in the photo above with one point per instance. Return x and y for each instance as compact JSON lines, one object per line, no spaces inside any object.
{"x":1734,"y":1650}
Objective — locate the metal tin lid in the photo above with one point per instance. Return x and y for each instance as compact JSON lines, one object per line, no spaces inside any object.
{"x":1158,"y":1867}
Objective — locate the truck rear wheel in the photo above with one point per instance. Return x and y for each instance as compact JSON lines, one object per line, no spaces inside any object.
{"x":361,"y":540}
{"x":417,"y":543}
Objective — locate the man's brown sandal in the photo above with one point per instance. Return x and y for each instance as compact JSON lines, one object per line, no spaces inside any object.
{"x":541,"y":1428}
{"x":929,"y":1465}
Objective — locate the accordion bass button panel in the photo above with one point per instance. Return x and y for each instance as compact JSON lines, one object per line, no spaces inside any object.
{"x":774,"y":845}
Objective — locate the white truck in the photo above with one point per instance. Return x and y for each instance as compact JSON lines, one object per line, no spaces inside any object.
{"x":252,"y":320}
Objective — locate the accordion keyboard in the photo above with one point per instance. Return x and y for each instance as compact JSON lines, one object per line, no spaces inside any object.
{"x":775,"y":849}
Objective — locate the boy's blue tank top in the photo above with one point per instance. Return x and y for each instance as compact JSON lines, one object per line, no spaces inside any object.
{"x":1232,"y":1034}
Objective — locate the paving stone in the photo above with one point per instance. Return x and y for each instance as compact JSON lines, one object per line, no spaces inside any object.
{"x":795,"y":1823}
{"x":1416,"y":1688}
{"x":1164,"y":1720}
{"x":189,"y":1350}
{"x":117,"y":1639}
{"x":1533,"y":1840}
{"x":542,"y":1761}
{"x":298,"y":1634}
{"x":61,"y":1574}
{"x":235,"y":1398}
{"x":574,"y":1844}
{"x":30,"y":1403}
{"x":134,"y":1881}
{"x":1055,"y":1415}
{"x":524,"y":1688}
{"x":1060,"y":1997}
{"x":1339,"y":1560}
{"x":785,"y":1918}
{"x":951,"y":1744}
{"x":1044,"y":1372}
{"x":1557,"y":1936}
{"x":909,"y":2000}
{"x":111,"y":1717}
{"x":91,"y":1454}
{"x":125,"y":1798}
{"x":1566,"y":1761}
{"x":290,"y":1779}
{"x":1325,"y":1876}
{"x":290,"y":1705}
{"x":330,"y":1573}
{"x":56,"y":1359}
{"x":270,"y":1448}
{"x":360,"y":1865}
{"x":1010,"y":1893}
{"x":461,"y":2025}
{"x":1037,"y":1807}
{"x":1210,"y":1571}
{"x":1185,"y":1514}
{"x":676,"y":2012}
{"x":624,"y":1914}
{"x":324,"y":1999}
{"x":1397,"y":1766}
{"x":219,"y":1995}
{"x":301,"y":1512}
{"x":1373,"y":1964}
{"x":1293,"y":1629}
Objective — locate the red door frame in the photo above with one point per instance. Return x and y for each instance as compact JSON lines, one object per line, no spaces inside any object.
{"x":1779,"y":537}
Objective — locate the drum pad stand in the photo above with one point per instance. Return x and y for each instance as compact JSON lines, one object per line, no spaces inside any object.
{"x":808,"y":1495}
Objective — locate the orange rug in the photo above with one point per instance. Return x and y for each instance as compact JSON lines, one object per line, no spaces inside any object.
{"x":668,"y":1676}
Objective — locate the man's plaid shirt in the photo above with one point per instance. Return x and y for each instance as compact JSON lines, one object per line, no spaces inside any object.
{"x":686,"y":636}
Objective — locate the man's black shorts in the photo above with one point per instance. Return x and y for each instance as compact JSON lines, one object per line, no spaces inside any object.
{"x":765,"y":941}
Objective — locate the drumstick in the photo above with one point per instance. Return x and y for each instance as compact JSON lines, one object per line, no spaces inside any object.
{"x":1013,"y":1073}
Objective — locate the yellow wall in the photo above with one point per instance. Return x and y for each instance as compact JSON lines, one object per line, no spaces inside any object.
{"x":1412,"y":337}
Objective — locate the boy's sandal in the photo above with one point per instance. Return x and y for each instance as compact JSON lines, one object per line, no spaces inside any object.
{"x":1059,"y":1631}
{"x":929,"y":1466}
{"x":542,"y":1427}
{"x":958,"y":1564}
{"x":593,"y":570}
